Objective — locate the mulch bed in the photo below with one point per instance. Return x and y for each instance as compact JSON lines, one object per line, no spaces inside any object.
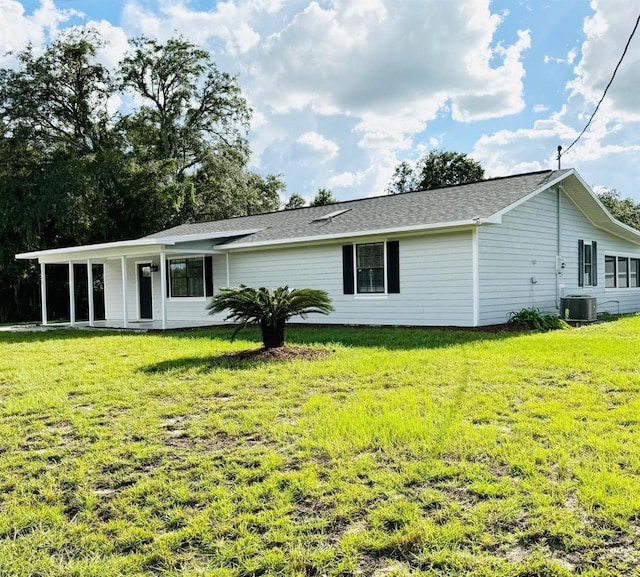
{"x":285,"y":353}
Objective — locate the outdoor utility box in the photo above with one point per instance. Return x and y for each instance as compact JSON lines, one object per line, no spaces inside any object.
{"x":580,"y":307}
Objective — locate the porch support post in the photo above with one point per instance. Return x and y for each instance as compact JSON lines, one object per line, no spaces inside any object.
{"x":72,"y":296}
{"x":125,"y":308}
{"x":228,"y":276}
{"x":90,"y":293}
{"x":163,"y":287}
{"x":43,"y":292}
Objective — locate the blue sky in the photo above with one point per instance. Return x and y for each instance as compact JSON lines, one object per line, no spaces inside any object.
{"x":343,"y":90}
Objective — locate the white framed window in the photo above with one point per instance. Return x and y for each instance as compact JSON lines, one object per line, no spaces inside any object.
{"x":588,"y":264}
{"x":370,"y":259}
{"x":609,"y":271}
{"x":186,"y":277}
{"x":634,"y":270}
{"x":621,"y":272}
{"x":371,"y":268}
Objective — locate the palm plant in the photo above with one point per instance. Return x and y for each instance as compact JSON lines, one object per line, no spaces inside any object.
{"x":271,"y":309}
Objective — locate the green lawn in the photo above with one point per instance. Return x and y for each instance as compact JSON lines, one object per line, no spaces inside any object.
{"x":400,"y":452}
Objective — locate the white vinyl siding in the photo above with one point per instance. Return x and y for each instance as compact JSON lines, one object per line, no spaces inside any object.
{"x":517,"y":261}
{"x":576,"y":226}
{"x":435,"y":276}
{"x":523,"y":249}
{"x":112,"y":290}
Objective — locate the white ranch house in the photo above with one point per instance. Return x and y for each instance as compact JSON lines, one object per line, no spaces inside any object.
{"x":464,"y":255}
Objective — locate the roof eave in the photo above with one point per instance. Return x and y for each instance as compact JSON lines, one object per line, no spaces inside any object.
{"x":357,"y":234}
{"x":498,"y":215}
{"x":204,"y":235}
{"x":105,"y":246}
{"x":602,"y":218}
{"x":147,"y":242}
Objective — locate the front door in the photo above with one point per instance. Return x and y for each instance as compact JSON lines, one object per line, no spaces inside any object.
{"x":145,"y":291}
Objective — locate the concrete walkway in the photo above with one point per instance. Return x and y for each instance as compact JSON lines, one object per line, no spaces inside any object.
{"x":30,"y":328}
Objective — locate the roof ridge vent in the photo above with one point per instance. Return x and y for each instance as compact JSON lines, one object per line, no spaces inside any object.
{"x":329,"y":217}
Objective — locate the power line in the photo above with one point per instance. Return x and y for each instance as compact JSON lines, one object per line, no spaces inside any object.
{"x":605,"y":90}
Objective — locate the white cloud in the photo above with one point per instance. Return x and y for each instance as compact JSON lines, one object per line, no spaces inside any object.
{"x":343,"y":89}
{"x":346,"y":179}
{"x":375,"y":59}
{"x":325,"y":148}
{"x":116,"y":43}
{"x":570,"y":58}
{"x":606,"y":34}
{"x":609,"y":148}
{"x":227,"y":22}
{"x":17,"y":28}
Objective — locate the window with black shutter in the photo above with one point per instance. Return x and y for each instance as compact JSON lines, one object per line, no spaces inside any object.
{"x":371,"y":268}
{"x":587,"y":263}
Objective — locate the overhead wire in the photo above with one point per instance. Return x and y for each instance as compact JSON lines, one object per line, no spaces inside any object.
{"x":605,"y":90}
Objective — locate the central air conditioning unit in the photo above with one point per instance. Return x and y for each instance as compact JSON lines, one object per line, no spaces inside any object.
{"x":580,"y":307}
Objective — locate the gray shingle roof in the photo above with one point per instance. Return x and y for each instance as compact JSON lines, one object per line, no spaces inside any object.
{"x":427,"y":207}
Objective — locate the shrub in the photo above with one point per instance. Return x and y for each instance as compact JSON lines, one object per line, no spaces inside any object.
{"x":532,"y":318}
{"x":270,"y":309}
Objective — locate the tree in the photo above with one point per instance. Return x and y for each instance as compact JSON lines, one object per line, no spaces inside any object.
{"x":189,"y":106}
{"x":295,"y":201}
{"x":58,"y":175}
{"x":74,"y":171}
{"x":437,"y":169}
{"x":625,"y":210}
{"x":324,"y":196}
{"x":224,"y":188}
{"x":270,"y":309}
{"x":193,"y":120}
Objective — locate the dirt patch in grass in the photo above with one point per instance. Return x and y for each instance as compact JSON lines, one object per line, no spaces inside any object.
{"x":285,"y":353}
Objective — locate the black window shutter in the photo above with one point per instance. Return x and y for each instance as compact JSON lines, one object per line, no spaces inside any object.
{"x":594,"y":263}
{"x":393,"y":266}
{"x":168,"y":279}
{"x":580,"y":263}
{"x":347,"y":269}
{"x":208,"y":276}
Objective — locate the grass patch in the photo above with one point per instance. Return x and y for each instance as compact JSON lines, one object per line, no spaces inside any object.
{"x":390,"y":452}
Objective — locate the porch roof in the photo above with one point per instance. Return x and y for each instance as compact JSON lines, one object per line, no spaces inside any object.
{"x":144,"y":245}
